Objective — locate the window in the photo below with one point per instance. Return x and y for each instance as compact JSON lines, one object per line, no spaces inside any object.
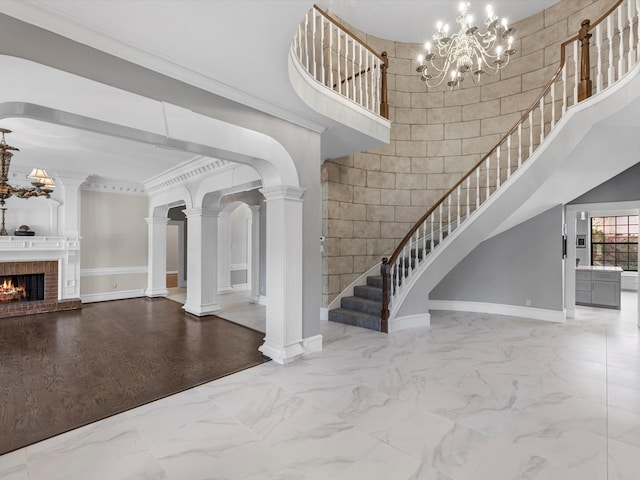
{"x":614,"y":242}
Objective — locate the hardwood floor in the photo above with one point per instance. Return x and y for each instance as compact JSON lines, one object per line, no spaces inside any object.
{"x":59,"y":371}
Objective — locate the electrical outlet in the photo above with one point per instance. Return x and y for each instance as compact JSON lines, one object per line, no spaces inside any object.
{"x":527,"y":302}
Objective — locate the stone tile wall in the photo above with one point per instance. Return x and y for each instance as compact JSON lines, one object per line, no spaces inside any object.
{"x":372,"y":198}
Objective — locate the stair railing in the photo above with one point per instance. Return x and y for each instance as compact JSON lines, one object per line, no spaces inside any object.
{"x":339,"y":60}
{"x":615,"y":50}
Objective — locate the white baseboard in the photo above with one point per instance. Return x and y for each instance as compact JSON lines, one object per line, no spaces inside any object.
{"x":312,"y":344}
{"x":240,"y":286}
{"x":262,"y":300}
{"x":324,"y":314}
{"x":103,"y":297}
{"x":409,"y":321}
{"x":499,"y":309}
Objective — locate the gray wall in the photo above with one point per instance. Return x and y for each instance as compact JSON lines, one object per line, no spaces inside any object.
{"x":522,"y":263}
{"x":621,"y":188}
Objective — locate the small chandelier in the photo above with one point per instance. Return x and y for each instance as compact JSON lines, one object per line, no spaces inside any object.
{"x":467,"y":52}
{"x":42,"y":183}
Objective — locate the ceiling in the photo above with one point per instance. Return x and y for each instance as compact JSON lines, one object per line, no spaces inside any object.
{"x":236,"y":49}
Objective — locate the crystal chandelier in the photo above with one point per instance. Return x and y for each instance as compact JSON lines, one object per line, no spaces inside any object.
{"x":467,"y":52}
{"x":42,"y":183}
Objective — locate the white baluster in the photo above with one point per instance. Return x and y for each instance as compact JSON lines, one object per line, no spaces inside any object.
{"x":576,"y":78}
{"x":598,"y":58}
{"x":366,"y":83}
{"x":553,"y":105}
{"x":432,"y":242}
{"x":353,"y":70}
{"x":621,"y":70}
{"x":509,"y":156}
{"x":339,"y":84}
{"x":530,"y":133}
{"x":498,"y":167}
{"x":564,"y":88}
{"x":610,"y":39}
{"x":458,"y":206}
{"x":362,"y":72}
{"x":519,"y":144}
{"x":424,"y":240}
{"x":541,"y":120}
{"x":314,"y":40}
{"x":631,"y":56}
{"x":322,"y":69}
{"x":638,"y":31}
{"x":306,"y":42}
{"x":468,"y":202}
{"x":449,"y":215}
{"x":488,"y":167}
{"x":477,"y":188}
{"x":346,"y":65}
{"x":440,"y":223}
{"x":330,"y":55}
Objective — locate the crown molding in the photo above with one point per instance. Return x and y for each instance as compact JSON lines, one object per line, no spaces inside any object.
{"x":105,"y":185}
{"x":190,"y":170}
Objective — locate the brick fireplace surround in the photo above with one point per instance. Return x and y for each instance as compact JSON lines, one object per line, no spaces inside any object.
{"x":50,"y":302}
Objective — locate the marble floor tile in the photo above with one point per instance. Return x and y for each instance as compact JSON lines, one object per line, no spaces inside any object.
{"x":109,"y":449}
{"x":13,"y":465}
{"x":623,"y":397}
{"x":624,"y":426}
{"x":624,"y":461}
{"x":471,"y":397}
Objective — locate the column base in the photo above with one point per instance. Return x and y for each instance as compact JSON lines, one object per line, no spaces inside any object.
{"x":254,"y":299}
{"x":156,"y":292}
{"x":201,"y":310}
{"x":282,"y":354}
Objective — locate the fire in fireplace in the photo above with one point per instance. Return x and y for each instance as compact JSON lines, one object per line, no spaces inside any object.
{"x":21,"y":288}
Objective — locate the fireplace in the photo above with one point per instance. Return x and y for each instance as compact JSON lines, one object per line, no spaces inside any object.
{"x":31,"y":287}
{"x":22,"y":288}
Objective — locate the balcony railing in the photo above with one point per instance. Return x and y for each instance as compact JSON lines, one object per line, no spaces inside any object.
{"x":614,"y":52}
{"x":339,"y":60}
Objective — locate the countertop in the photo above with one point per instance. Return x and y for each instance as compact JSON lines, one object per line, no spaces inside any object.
{"x":591,"y":268}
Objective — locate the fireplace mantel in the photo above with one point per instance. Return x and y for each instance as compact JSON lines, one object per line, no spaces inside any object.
{"x":64,"y":250}
{"x":38,"y":243}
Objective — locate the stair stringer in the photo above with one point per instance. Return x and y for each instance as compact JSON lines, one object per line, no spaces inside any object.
{"x":576,"y":147}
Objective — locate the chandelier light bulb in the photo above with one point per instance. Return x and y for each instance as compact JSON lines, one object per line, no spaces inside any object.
{"x":453,"y":55}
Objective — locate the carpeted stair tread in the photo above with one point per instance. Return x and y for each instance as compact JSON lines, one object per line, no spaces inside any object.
{"x":368,"y":292}
{"x":370,"y":307}
{"x":357,"y":319}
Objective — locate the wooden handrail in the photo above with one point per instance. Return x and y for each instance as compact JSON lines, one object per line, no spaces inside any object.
{"x":583,"y":36}
{"x":347,"y":31}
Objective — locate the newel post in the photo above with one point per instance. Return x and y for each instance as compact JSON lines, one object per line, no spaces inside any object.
{"x":384,"y":100}
{"x":384,"y":313}
{"x":584,"y":87}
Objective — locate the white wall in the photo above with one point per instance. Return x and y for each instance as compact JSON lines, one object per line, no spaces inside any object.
{"x":172,"y":248}
{"x":114,"y":245}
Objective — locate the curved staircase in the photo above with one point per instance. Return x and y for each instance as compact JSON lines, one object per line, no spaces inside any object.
{"x":531,"y":169}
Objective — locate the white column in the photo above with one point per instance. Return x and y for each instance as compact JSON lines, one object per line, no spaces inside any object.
{"x":570,"y":265}
{"x":157,"y":257}
{"x":69,"y":226}
{"x":255,"y":254}
{"x":202,"y":261}
{"x":224,"y":252}
{"x":69,"y":221}
{"x":283,"y":339}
